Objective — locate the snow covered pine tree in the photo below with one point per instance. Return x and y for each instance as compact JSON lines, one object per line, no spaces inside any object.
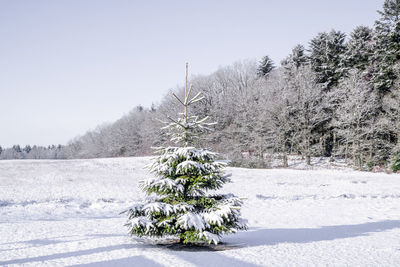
{"x":177,"y":204}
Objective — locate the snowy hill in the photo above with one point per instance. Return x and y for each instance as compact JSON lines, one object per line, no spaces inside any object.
{"x":66,"y":213}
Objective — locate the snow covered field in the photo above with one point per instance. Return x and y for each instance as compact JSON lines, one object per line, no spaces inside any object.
{"x":66,"y":213}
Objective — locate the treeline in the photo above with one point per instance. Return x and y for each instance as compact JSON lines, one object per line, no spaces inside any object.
{"x":33,"y":152}
{"x":338,"y":97}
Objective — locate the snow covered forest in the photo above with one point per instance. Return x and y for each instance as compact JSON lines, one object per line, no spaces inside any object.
{"x":338,"y":97}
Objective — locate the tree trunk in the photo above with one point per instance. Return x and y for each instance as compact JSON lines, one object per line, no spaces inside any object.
{"x":308,"y":154}
{"x":359,"y":162}
{"x":357,"y":156}
{"x":308,"y":159}
{"x":322,"y":145}
{"x":261,"y":153}
{"x":371,"y":150}
{"x":285,"y":160}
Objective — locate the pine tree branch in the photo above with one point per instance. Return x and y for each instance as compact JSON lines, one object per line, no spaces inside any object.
{"x":195,"y":98}
{"x":188,"y":94}
{"x":178,"y":99}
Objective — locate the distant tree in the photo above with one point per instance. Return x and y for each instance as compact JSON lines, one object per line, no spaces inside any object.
{"x":296,"y":59}
{"x":391,"y":112}
{"x":227,"y":95}
{"x":355,"y":117}
{"x":308,"y":113}
{"x":17,"y":148}
{"x":277,"y":115}
{"x":15,"y":152}
{"x":265,"y":67}
{"x":293,"y":62}
{"x":153,"y":107}
{"x":387,"y":45}
{"x":326,"y":51}
{"x":27,"y":149}
{"x":140,"y":108}
{"x":359,"y":49}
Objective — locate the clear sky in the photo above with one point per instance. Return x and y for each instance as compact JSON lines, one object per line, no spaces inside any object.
{"x":67,"y":66}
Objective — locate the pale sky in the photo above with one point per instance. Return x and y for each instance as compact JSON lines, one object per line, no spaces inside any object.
{"x":67,"y":66}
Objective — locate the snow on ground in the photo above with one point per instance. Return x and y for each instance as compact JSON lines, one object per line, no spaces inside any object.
{"x":317,"y":163}
{"x":66,"y":213}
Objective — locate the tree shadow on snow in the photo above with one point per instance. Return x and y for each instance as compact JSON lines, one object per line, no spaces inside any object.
{"x":55,"y":240}
{"x":69,"y":254}
{"x":202,"y":257}
{"x":251,"y":238}
{"x":174,"y":245}
{"x":267,"y":237}
{"x":212,"y":259}
{"x":130,"y":261}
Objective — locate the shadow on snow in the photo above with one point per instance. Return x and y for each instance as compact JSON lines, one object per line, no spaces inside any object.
{"x":268,"y":237}
{"x":129,"y":261}
{"x":255,"y":237}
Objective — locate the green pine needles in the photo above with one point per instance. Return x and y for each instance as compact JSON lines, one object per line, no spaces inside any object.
{"x":178,"y":204}
{"x":396,"y":163}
